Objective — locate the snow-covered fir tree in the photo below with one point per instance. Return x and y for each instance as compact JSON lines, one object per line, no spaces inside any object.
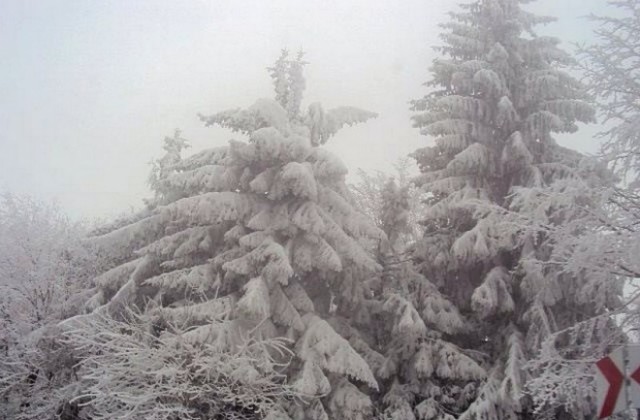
{"x":422,"y":374}
{"x":256,"y":240}
{"x":497,"y":95}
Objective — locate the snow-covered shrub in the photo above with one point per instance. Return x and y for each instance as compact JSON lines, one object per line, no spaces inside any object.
{"x":45,"y":273}
{"x":129,"y":369}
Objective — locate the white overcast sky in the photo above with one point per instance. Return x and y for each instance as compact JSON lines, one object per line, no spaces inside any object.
{"x":88,"y":89}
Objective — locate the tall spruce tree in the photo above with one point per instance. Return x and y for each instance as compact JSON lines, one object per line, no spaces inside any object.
{"x":257,"y":238}
{"x":497,"y":95}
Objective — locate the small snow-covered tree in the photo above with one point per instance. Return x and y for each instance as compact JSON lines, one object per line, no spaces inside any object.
{"x":422,"y":374}
{"x":497,"y":96}
{"x":163,"y":168}
{"x":370,"y":197}
{"x":45,"y":272}
{"x":256,"y":240}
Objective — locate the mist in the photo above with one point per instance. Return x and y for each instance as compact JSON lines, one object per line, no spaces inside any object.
{"x":90,"y":89}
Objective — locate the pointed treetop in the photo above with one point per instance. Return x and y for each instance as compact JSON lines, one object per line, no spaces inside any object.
{"x":288,"y":81}
{"x":284,"y":112}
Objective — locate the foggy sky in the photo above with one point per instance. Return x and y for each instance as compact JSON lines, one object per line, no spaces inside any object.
{"x":89,"y":89}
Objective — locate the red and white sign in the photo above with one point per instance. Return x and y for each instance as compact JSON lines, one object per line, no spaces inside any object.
{"x":610,"y":383}
{"x":633,"y":372}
